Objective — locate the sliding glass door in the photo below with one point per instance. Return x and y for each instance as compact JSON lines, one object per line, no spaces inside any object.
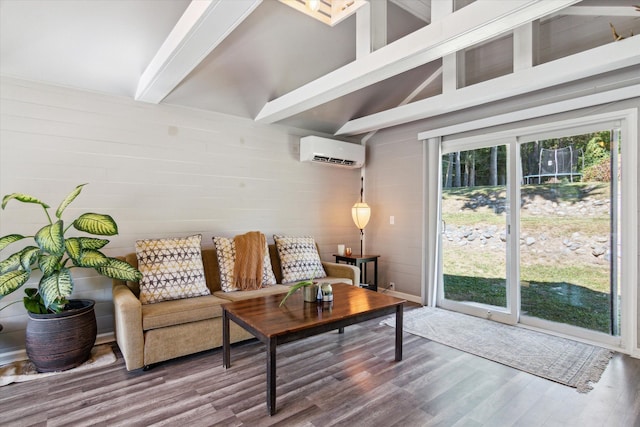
{"x":475,"y":232}
{"x":569,"y":231}
{"x":553,"y":259}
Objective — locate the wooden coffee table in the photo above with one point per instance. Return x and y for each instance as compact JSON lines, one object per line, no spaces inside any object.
{"x":297,"y":319}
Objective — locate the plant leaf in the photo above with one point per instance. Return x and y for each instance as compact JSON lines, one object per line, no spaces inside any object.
{"x":78,"y":246}
{"x":24,"y":198}
{"x":59,"y":305}
{"x":9,"y":239}
{"x":74,"y":247}
{"x":295,"y":288}
{"x":49,"y":263}
{"x":92,"y":242}
{"x":91,"y":259}
{"x":117,"y":269}
{"x":94,"y":223}
{"x":10,"y":263}
{"x":12,"y":280}
{"x":67,"y":201}
{"x":33,"y":301}
{"x":51,"y":238}
{"x":34,"y":305}
{"x":56,"y":286}
{"x":28,"y":256}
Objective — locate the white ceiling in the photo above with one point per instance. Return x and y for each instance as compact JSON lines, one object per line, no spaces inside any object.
{"x":106,"y":45}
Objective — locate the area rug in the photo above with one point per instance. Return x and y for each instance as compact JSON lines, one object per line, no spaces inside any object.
{"x":562,"y":360}
{"x":24,"y":370}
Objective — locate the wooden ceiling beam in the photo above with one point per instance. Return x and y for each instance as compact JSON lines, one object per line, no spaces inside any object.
{"x":621,"y":54}
{"x":466,"y":27}
{"x":202,"y":27}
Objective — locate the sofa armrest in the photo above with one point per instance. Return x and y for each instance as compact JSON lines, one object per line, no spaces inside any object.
{"x":128,"y":325}
{"x":347,"y":271}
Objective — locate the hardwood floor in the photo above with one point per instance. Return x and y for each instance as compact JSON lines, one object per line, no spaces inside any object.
{"x":327,"y":380}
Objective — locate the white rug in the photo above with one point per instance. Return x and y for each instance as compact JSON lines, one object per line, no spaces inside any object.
{"x":562,"y":360}
{"x":24,"y":370}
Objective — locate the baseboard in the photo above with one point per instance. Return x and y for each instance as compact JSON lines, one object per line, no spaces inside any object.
{"x":12,"y":356}
{"x":408,"y":297}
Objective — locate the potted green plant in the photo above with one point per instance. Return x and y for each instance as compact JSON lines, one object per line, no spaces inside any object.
{"x":309,"y":292}
{"x":54,"y":255}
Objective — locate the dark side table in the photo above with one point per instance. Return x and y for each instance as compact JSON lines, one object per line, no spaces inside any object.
{"x":361,"y":261}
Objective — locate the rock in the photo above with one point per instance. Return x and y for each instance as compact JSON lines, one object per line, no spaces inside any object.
{"x":530,"y":241}
{"x":598,"y":251}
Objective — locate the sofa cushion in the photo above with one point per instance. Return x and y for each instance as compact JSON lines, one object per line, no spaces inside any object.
{"x":226,"y":251}
{"x":264,"y":291}
{"x":299,"y":258}
{"x":175,"y":312}
{"x":171,"y":269}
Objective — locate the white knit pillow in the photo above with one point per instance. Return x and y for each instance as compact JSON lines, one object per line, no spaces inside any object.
{"x":299,"y":258}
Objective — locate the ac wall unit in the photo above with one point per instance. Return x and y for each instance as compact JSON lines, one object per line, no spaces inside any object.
{"x":331,"y":152}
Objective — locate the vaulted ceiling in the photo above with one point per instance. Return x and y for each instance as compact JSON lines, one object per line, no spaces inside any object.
{"x":263,"y":60}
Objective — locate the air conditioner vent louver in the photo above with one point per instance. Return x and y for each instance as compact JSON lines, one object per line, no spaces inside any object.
{"x":331,"y":152}
{"x":333,"y":160}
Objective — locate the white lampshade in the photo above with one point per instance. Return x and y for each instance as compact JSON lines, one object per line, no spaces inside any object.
{"x":361,"y":212}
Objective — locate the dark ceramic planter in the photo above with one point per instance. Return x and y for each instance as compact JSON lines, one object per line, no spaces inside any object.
{"x":57,"y":342}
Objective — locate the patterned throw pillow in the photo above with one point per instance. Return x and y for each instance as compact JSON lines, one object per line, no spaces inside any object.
{"x":171,"y":269}
{"x":226,"y":251}
{"x":299,"y":258}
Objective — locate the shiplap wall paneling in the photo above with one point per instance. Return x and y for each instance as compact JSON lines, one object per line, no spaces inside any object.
{"x":393,"y":185}
{"x":159,"y":171}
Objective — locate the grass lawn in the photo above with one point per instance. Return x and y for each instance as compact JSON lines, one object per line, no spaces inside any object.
{"x":561,"y":280}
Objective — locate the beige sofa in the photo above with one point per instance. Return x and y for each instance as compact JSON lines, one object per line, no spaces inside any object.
{"x":152,"y":333}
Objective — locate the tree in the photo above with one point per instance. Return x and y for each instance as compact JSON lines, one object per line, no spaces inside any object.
{"x":448,"y":177}
{"x":493,"y":168}
{"x":457,"y":180}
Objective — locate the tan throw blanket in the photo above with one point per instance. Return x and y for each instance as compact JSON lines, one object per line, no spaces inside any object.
{"x":250,"y":251}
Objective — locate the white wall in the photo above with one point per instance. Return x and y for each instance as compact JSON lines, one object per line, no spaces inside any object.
{"x":159,"y":171}
{"x":394,"y":187}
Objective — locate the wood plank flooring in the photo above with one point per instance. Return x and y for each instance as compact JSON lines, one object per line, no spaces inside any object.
{"x":327,"y":380}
